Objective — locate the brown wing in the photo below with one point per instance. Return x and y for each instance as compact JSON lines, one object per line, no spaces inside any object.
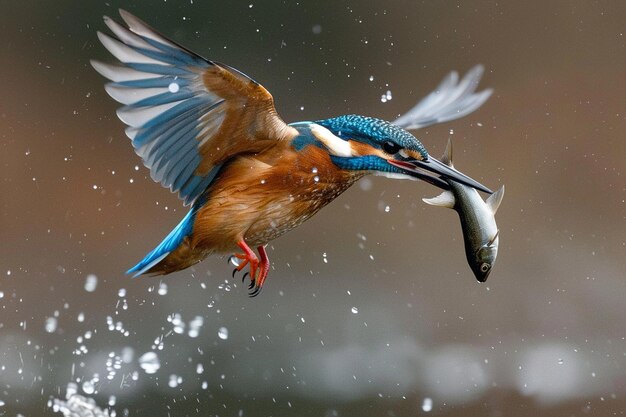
{"x":186,"y":115}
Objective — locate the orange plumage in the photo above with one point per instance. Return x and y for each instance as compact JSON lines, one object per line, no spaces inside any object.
{"x":211,"y":134}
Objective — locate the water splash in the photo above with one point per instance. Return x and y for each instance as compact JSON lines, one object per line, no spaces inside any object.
{"x":76,"y":405}
{"x":150,"y":362}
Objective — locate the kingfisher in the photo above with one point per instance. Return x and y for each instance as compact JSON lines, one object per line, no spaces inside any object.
{"x":211,"y":134}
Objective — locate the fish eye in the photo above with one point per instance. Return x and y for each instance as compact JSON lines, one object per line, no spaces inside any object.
{"x":391,"y":147}
{"x":484,"y":267}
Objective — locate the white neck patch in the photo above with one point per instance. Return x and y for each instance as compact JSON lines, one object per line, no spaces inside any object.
{"x":335,"y":145}
{"x":394,"y":175}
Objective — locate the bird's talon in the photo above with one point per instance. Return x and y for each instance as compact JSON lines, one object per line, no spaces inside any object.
{"x":244,"y":277}
{"x":255,"y":292}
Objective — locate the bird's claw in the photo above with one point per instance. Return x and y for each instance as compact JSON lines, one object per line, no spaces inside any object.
{"x":259,"y":268}
{"x":255,"y":292}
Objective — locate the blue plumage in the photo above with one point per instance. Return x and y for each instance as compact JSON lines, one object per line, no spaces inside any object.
{"x":373,"y":131}
{"x":175,"y":55}
{"x":305,"y":136}
{"x":163,"y":98}
{"x":170,"y":134}
{"x":159,"y":82}
{"x":177,"y":110}
{"x":364,"y":163}
{"x":187,"y":115}
{"x":160,"y":69}
{"x":170,"y":243}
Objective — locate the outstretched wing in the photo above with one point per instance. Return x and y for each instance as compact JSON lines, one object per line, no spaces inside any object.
{"x":450,"y":100}
{"x":186,"y":115}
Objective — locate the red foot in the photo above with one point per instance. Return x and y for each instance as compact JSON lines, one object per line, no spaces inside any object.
{"x":258,"y":269}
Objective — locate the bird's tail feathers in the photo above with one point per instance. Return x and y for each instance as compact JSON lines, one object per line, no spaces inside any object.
{"x":173,"y":240}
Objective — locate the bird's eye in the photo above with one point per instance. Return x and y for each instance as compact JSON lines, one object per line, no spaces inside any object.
{"x":485,"y":267}
{"x":391,"y":147}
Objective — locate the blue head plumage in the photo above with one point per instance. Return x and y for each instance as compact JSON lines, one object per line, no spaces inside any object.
{"x":372,"y":131}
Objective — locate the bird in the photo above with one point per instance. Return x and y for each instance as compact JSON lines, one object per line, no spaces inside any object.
{"x":211,"y":134}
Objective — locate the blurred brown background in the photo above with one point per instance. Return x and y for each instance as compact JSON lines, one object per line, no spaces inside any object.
{"x":366,"y":311}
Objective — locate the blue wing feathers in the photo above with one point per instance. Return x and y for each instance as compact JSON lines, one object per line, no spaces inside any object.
{"x":175,"y":111}
{"x":169,"y":110}
{"x":160,"y":69}
{"x":194,"y":188}
{"x":163,"y":98}
{"x":167,"y":133}
{"x":181,"y":149}
{"x":180,"y":54}
{"x":179,"y":179}
{"x":165,"y":151}
{"x":162,"y":82}
{"x":183,"y":163}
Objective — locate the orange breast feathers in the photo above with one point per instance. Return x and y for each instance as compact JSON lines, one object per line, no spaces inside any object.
{"x":258,"y":198}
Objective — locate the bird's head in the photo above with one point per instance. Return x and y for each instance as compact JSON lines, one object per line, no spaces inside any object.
{"x":360,"y":143}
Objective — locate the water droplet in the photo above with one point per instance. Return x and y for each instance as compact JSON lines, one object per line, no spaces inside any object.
{"x":560,"y":361}
{"x":354,"y":310}
{"x":173,"y":87}
{"x":371,"y":78}
{"x":177,"y":322}
{"x":121,"y":292}
{"x":91,"y":282}
{"x":174,"y":381}
{"x":195,"y":325}
{"x":427,"y":404}
{"x":89,"y":387}
{"x":150,"y":362}
{"x":316,"y":178}
{"x":162,"y":288}
{"x":51,"y":324}
{"x":222,"y":333}
{"x":387,"y":208}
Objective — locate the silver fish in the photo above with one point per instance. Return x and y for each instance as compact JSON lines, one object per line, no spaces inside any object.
{"x":480,"y":232}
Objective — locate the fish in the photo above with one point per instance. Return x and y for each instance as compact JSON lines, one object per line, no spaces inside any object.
{"x":478,"y":222}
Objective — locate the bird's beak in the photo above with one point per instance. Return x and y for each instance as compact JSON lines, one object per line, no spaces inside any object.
{"x":436,"y":172}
